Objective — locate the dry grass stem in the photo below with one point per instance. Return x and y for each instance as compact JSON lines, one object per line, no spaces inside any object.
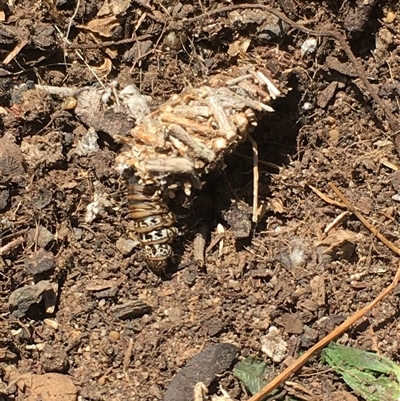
{"x":256,"y":177}
{"x":363,"y":220}
{"x":336,"y":221}
{"x":389,"y":164}
{"x":325,"y":197}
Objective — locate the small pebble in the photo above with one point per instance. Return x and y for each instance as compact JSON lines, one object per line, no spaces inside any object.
{"x":309,"y":46}
{"x":390,"y":17}
{"x":88,"y":143}
{"x":69,"y":103}
{"x":306,"y":106}
{"x":114,"y":336}
{"x":174,"y":41}
{"x":54,"y":358}
{"x":274,"y":345}
{"x":334,"y":135}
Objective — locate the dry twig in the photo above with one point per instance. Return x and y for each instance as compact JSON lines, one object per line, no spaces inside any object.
{"x":15,"y":51}
{"x":127,"y":357}
{"x":256,"y":177}
{"x":363,"y":220}
{"x":336,"y":221}
{"x":13,"y":244}
{"x":199,"y":245}
{"x":325,"y":197}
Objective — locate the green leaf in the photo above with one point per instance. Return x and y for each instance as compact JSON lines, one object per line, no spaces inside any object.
{"x":372,"y":376}
{"x":250,"y":372}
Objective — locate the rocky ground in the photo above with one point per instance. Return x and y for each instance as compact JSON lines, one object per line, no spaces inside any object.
{"x":81,"y":313}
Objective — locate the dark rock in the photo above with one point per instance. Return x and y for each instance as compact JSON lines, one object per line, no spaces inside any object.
{"x":204,"y":367}
{"x":239,"y":218}
{"x":309,"y":338}
{"x":357,"y":15}
{"x":25,"y":301}
{"x":4,"y":196}
{"x":215,"y":327}
{"x":54,"y":359}
{"x":41,"y":198}
{"x":39,"y":262}
{"x":40,"y":236}
{"x":189,"y":275}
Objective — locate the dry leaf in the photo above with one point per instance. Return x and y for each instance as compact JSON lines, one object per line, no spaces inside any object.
{"x":337,"y":238}
{"x":102,"y":26}
{"x":239,"y":46}
{"x":200,"y":392}
{"x":339,"y":244}
{"x":103,"y":70}
{"x":276,"y":205}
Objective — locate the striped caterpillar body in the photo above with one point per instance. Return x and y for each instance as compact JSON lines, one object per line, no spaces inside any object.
{"x":153,"y":223}
{"x":188,"y":136}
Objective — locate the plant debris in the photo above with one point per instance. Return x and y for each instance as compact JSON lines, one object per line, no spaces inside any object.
{"x":372,"y":376}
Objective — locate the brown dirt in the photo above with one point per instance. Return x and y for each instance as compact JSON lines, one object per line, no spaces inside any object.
{"x":96,"y":313}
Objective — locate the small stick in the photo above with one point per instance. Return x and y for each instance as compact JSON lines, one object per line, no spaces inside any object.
{"x":197,"y":146}
{"x":256,"y":177}
{"x":127,"y":357}
{"x":264,"y":163}
{"x":214,"y":242}
{"x":324,"y":197}
{"x":389,"y":164}
{"x":13,"y":244}
{"x":199,"y":245}
{"x":108,"y":44}
{"x":336,"y":221}
{"x":79,"y":54}
{"x":224,"y":123}
{"x":15,"y":51}
{"x":62,"y":91}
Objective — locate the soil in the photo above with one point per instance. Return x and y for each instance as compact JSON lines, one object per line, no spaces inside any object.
{"x":78,"y":300}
